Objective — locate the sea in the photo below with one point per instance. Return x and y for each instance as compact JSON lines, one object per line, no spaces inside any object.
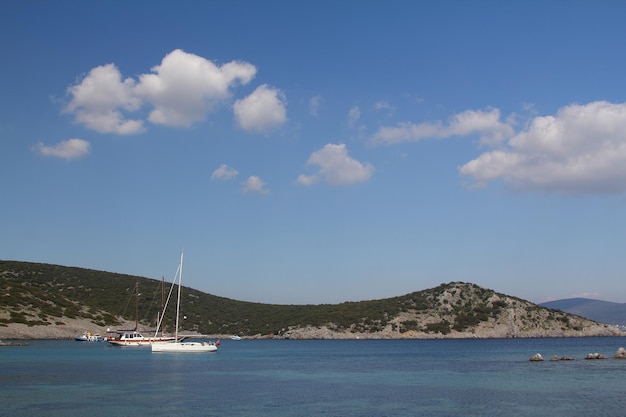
{"x":291,"y":378}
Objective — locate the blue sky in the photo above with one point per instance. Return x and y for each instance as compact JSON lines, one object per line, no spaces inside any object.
{"x":319,"y":151}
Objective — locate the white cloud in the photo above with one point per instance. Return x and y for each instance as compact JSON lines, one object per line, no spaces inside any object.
{"x":224,"y":173}
{"x":386,"y":107}
{"x":254,"y":184}
{"x":69,"y":149}
{"x":485,"y":123}
{"x":180,"y":91}
{"x":336,"y":167}
{"x":307,"y":179}
{"x":261,"y":111}
{"x":582,"y":149}
{"x":405,"y":132}
{"x":186,"y":87}
{"x":353,"y":116}
{"x":382,"y":105}
{"x":99,"y":97}
{"x":315,"y":104}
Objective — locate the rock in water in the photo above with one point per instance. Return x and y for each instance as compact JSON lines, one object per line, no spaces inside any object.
{"x":595,"y":356}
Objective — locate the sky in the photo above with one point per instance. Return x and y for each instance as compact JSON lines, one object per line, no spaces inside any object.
{"x":316,"y":152}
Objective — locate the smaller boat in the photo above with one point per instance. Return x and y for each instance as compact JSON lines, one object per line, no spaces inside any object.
{"x":89,"y":337}
{"x":134,"y":338}
{"x":235,"y":337}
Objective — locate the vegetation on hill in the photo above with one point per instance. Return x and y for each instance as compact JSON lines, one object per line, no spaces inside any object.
{"x":40,"y":294}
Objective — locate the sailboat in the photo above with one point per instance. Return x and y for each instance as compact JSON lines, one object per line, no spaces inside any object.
{"x":133,"y":337}
{"x":181,"y":346}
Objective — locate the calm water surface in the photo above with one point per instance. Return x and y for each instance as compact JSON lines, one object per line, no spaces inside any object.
{"x":316,"y":378}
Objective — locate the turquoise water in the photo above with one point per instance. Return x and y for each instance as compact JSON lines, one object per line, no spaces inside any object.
{"x":317,"y":378}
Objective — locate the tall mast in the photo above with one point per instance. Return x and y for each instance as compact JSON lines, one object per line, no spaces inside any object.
{"x":136,"y":306}
{"x":162,"y":305}
{"x":180,"y":283}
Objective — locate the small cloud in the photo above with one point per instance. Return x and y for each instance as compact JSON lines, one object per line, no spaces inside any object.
{"x":314,"y":104}
{"x":69,"y":149}
{"x":486,"y":123}
{"x":261,"y":111}
{"x":256,"y":185}
{"x":224,"y":173}
{"x":353,"y":116}
{"x":382,"y":105}
{"x":405,"y":132}
{"x":530,"y":108}
{"x":336,"y":167}
{"x":307,"y":180}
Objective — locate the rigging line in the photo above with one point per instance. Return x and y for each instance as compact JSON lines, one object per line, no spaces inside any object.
{"x":169,"y":295}
{"x":131,"y":297}
{"x":148,"y":316}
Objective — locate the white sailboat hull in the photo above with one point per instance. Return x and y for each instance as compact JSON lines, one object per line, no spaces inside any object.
{"x":181,"y":346}
{"x":190,"y":347}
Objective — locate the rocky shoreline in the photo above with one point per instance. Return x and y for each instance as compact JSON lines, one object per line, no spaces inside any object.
{"x":70,"y":328}
{"x":12,"y":343}
{"x":480,"y":332}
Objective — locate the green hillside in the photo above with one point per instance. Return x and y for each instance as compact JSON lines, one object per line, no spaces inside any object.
{"x":36,"y":293}
{"x":40,"y":294}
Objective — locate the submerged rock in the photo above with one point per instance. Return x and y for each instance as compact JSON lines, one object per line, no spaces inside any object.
{"x":564,"y":358}
{"x":595,"y":356}
{"x":621,"y":353}
{"x":3,"y":343}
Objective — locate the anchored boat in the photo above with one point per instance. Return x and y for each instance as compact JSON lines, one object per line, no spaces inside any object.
{"x":180,"y":346}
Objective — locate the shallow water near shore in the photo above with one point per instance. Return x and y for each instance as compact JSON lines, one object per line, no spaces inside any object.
{"x":317,"y":378}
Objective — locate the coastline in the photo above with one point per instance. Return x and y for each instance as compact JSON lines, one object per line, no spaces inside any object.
{"x":70,"y":328}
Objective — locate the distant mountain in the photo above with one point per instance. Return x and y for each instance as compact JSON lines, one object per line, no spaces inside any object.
{"x":596,"y":310}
